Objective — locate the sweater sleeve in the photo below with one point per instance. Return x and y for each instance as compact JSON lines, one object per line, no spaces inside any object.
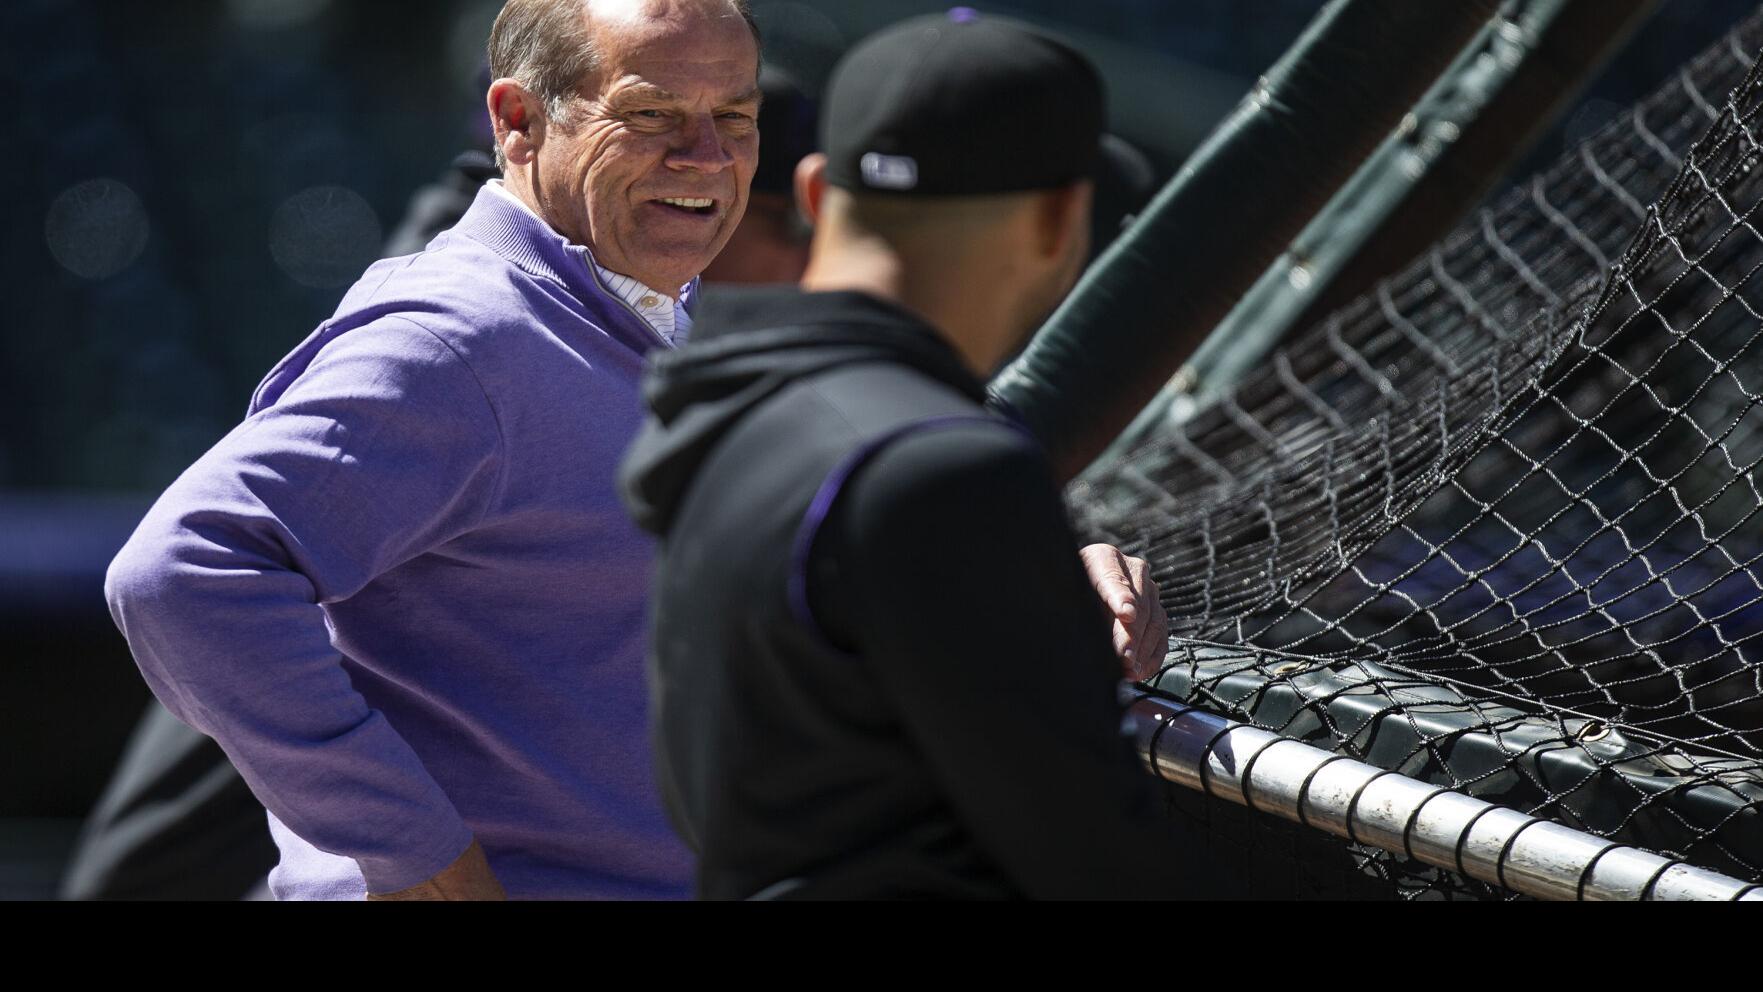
{"x":384,"y":447}
{"x":973,"y":612}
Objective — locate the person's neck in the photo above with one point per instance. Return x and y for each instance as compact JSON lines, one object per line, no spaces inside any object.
{"x":962,"y":308}
{"x":517,"y":183}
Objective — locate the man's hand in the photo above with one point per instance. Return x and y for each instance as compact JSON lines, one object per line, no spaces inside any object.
{"x":1141,"y":628}
{"x":468,"y":878}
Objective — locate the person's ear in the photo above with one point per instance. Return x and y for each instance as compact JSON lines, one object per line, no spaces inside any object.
{"x":1062,"y":216}
{"x":518,"y":121}
{"x":810,"y":184}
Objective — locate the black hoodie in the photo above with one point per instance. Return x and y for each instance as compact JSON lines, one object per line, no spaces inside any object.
{"x":877,"y":667}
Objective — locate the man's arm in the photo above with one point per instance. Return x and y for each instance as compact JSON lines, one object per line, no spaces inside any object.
{"x":1141,"y":627}
{"x":973,"y":611}
{"x":384,"y":447}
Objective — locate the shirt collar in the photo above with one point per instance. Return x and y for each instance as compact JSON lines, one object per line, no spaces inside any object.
{"x":670,"y":318}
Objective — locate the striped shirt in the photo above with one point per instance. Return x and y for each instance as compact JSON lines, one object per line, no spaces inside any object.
{"x":667,"y":315}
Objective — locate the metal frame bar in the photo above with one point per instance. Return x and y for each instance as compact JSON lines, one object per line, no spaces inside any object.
{"x":1431,"y":824}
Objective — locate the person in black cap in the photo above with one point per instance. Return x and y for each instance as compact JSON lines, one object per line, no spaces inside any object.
{"x":877,"y":668}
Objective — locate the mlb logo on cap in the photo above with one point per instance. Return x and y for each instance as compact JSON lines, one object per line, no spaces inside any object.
{"x":888,"y":171}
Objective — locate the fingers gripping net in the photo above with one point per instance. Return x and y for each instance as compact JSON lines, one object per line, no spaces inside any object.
{"x":1499,"y":524}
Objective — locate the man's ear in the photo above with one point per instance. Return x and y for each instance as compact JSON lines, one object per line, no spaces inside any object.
{"x":1061,"y":216}
{"x":810,"y":185}
{"x":518,"y":121}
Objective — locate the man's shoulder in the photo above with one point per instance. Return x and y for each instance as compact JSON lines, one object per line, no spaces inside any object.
{"x":909,"y":438}
{"x":456,"y":303}
{"x":964,"y":460}
{"x":500,"y":319}
{"x":456,"y":285}
{"x":880,"y":398}
{"x":474,"y":270}
{"x":847,"y":419}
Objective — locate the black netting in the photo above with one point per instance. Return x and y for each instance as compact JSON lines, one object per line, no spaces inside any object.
{"x":1498,"y":523}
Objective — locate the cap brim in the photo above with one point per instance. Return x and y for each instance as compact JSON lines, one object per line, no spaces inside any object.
{"x":1122,"y":172}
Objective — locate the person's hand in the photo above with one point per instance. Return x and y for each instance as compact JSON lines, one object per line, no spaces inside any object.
{"x":468,"y":878}
{"x":1141,"y":628}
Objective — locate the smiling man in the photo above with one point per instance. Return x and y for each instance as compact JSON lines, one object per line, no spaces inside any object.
{"x":401,"y":594}
{"x":652,"y":168}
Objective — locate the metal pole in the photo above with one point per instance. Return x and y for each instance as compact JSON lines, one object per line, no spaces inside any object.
{"x":1232,"y":210}
{"x":1436,"y":158}
{"x":1428,"y":823}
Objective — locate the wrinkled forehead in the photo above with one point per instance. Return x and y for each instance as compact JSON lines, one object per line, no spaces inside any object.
{"x":704,"y":42}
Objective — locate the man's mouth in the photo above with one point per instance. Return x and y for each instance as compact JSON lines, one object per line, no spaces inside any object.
{"x":688,"y":204}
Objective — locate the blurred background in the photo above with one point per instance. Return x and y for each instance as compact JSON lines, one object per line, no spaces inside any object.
{"x":194,"y":183}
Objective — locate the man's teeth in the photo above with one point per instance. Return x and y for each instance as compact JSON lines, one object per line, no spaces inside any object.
{"x":689,"y":202}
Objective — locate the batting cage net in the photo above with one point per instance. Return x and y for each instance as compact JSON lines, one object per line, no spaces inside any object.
{"x":1497,"y":525}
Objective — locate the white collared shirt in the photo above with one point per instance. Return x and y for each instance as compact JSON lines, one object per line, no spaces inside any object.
{"x":664,"y":313}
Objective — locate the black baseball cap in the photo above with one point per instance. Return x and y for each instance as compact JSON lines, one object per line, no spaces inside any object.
{"x":961,"y":104}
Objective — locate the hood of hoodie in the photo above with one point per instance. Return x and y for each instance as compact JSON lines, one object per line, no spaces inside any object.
{"x":748,"y":345}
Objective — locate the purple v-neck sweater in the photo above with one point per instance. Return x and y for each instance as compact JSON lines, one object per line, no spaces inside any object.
{"x":403,"y":595}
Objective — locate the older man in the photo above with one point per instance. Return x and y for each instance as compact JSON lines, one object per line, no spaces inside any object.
{"x":401,"y":594}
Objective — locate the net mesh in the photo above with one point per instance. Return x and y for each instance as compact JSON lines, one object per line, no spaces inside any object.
{"x":1497,"y":524}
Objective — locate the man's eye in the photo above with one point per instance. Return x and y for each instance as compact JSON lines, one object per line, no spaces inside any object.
{"x":649,"y":115}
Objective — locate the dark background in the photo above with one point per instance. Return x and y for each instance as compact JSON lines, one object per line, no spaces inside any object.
{"x":192,"y":184}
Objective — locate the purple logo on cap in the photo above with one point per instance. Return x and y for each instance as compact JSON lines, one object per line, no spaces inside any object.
{"x":963,"y":15}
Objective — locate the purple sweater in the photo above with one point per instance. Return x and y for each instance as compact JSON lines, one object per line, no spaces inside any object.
{"x":403,"y":595}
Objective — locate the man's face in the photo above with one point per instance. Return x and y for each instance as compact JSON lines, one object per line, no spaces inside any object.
{"x":653,"y":174}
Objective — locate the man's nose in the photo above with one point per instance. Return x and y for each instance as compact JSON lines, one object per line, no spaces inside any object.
{"x":700,"y":147}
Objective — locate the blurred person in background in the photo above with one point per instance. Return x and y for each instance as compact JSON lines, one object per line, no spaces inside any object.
{"x":439,"y":205}
{"x":771,"y":245}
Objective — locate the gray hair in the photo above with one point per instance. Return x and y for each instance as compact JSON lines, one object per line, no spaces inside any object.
{"x":547,"y":47}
